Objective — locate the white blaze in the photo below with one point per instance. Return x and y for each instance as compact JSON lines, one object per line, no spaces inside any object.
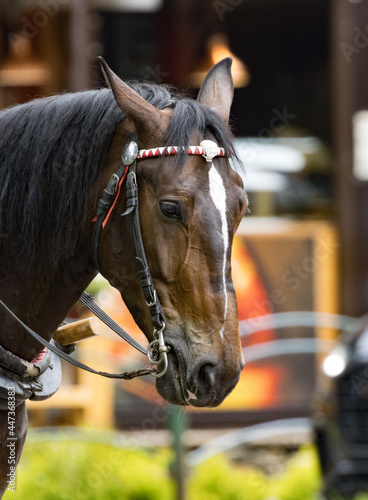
{"x":218,"y":195}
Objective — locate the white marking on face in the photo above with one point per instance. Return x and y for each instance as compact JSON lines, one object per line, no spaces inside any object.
{"x":218,"y":195}
{"x":191,"y":395}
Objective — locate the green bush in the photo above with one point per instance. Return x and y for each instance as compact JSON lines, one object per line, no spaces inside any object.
{"x":86,"y":471}
{"x":301,"y":480}
{"x":82,"y":470}
{"x":216,"y":479}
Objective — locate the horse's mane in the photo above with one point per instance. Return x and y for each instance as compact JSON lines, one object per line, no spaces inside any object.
{"x":53,"y":150}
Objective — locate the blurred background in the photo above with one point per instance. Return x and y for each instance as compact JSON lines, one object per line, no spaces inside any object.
{"x":300,"y":121}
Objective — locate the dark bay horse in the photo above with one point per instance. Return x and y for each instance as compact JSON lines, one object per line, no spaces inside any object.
{"x":56,"y":156}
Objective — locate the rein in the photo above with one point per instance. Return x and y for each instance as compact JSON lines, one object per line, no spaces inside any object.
{"x":157,"y":350}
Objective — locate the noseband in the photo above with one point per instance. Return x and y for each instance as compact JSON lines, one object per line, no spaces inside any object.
{"x":157,"y":350}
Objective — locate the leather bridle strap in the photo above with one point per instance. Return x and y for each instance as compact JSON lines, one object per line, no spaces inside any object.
{"x":73,"y":361}
{"x":156,"y":351}
{"x":144,"y":274}
{"x":128,"y":170}
{"x":104,"y":208}
{"x":88,"y":301}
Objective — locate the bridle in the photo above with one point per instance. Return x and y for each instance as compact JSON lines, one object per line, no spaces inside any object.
{"x":157,"y":349}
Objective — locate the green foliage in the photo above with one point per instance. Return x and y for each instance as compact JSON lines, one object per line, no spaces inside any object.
{"x":80,"y":470}
{"x":301,"y":479}
{"x":216,"y":479}
{"x":87,"y":471}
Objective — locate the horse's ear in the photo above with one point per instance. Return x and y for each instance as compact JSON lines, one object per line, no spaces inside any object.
{"x":218,"y":89}
{"x":145,"y":116}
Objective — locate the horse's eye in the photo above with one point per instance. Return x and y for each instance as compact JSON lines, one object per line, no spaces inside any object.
{"x":170,"y":209}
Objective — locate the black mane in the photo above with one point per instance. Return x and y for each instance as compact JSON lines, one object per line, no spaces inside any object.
{"x":53,"y":150}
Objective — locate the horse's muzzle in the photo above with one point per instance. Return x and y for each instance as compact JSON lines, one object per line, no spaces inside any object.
{"x":206,"y":384}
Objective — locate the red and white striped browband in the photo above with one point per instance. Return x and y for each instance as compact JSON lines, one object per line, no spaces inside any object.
{"x":173,"y":150}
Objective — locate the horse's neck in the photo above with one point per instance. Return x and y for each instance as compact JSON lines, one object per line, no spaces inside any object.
{"x":42,"y":302}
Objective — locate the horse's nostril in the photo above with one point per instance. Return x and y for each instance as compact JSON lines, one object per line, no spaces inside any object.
{"x":206,"y":378}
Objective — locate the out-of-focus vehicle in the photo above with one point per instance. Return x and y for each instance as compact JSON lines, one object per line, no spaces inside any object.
{"x":287,"y":175}
{"x":341,"y":416}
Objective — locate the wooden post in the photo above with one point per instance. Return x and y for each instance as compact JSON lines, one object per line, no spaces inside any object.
{"x":349,"y":48}
{"x":80,"y":44}
{"x":177,"y":421}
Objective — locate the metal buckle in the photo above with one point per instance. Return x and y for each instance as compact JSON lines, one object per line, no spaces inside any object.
{"x":113,"y":184}
{"x":154,"y":302}
{"x":157,"y":352}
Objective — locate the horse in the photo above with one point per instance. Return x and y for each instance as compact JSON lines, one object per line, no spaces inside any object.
{"x":56,"y":155}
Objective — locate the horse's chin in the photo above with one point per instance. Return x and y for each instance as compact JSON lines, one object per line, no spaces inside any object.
{"x":171,"y":391}
{"x":171,"y":385}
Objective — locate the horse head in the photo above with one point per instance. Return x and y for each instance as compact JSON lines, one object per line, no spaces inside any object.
{"x":190,"y":208}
